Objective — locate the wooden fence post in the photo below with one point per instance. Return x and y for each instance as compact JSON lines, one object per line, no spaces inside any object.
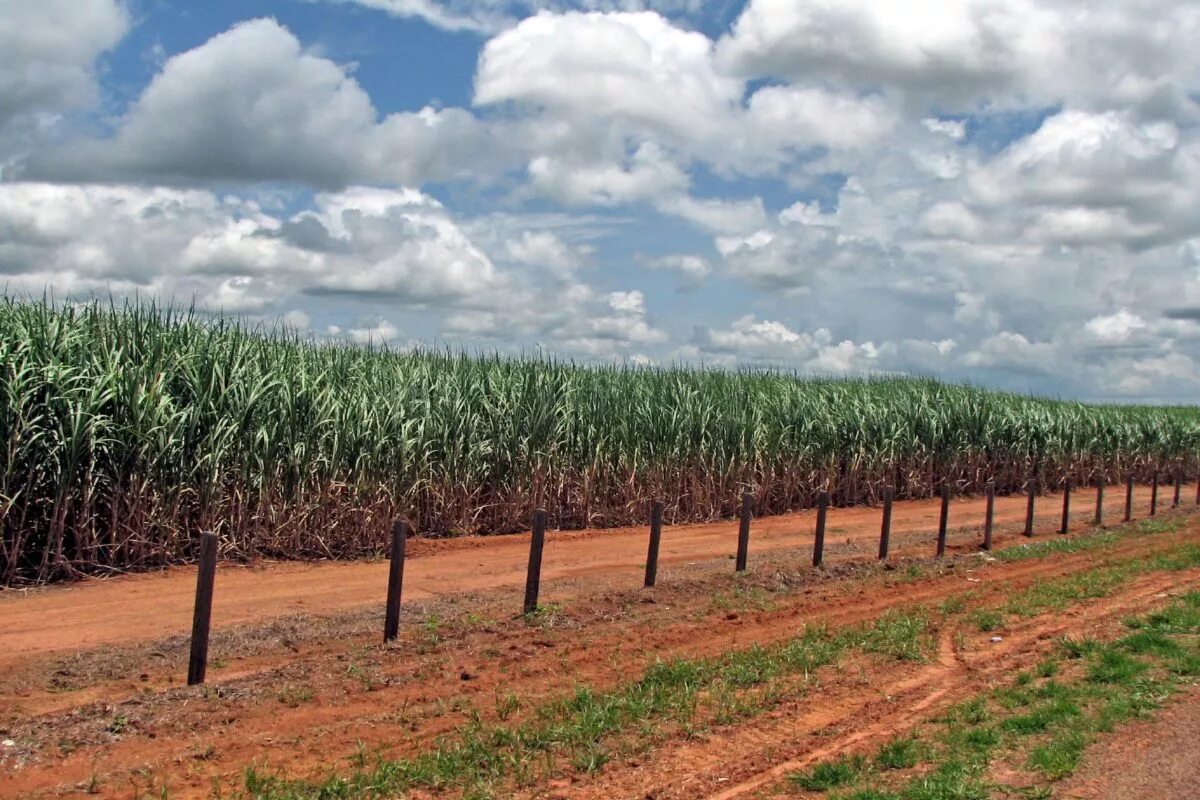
{"x":1154,"y":494}
{"x":1178,"y":489}
{"x":656,"y":515}
{"x":533,"y":578}
{"x":942,"y":521}
{"x":1032,"y":492}
{"x":819,"y":543}
{"x":202,"y":611}
{"x":391,"y":617}
{"x":988,"y":515}
{"x":1066,"y":517}
{"x":743,"y":548}
{"x":1128,"y":499}
{"x":885,"y":529}
{"x":1099,"y":520}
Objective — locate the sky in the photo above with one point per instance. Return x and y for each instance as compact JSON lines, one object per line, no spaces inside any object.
{"x":1005,"y":193}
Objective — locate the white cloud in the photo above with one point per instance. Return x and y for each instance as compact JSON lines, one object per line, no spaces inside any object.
{"x":715,"y":215}
{"x":376,"y":333}
{"x":806,"y":116}
{"x":1097,"y":178}
{"x":546,"y":250}
{"x":772,"y":342}
{"x":636,"y":67}
{"x":951,"y":220}
{"x":251,"y":104}
{"x":802,"y":243}
{"x":574,"y":320}
{"x":646,"y":174}
{"x":1008,"y":350}
{"x":956,"y":129}
{"x":1116,"y":328}
{"x":1173,"y":376}
{"x":47,"y":52}
{"x":617,"y":105}
{"x":971,"y":54}
{"x":693,"y":270}
{"x":492,"y":16}
{"x":230,"y":253}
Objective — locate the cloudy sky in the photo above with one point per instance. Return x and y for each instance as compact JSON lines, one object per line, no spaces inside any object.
{"x":1000,"y":191}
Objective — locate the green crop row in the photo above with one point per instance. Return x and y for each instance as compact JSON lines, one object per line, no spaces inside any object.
{"x":125,"y":431}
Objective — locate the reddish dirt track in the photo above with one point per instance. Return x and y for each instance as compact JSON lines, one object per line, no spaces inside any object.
{"x":95,"y":613}
{"x":303,"y":693}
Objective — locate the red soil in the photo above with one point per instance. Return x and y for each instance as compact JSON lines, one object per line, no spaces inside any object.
{"x":99,"y":612}
{"x":305,"y":697}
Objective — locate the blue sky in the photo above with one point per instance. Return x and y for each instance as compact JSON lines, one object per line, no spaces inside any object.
{"x":999,"y":192}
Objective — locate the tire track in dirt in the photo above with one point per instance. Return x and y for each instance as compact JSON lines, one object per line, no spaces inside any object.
{"x":735,"y":763}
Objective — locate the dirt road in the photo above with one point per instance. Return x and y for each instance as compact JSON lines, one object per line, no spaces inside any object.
{"x":302,"y":695}
{"x":145,"y":607}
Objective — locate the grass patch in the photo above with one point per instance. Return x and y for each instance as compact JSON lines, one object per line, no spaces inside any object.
{"x":1067,"y":545}
{"x":987,"y":619}
{"x":903,"y":636}
{"x":899,"y":754}
{"x":1045,"y":720}
{"x":582,"y":729}
{"x":829,"y":774}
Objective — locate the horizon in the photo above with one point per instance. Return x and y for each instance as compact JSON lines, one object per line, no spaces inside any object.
{"x":279,"y":330}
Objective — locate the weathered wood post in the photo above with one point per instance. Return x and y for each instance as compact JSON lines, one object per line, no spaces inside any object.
{"x":206,"y":574}
{"x":395,"y":587}
{"x":1178,"y":489}
{"x":1099,"y":520}
{"x":943,"y":520}
{"x":656,"y":515}
{"x":743,"y":548}
{"x":1032,"y":492}
{"x":533,"y":578}
{"x":1154,"y":494}
{"x":885,"y":529}
{"x":989,"y":515}
{"x":819,"y":543}
{"x":1128,"y":499}
{"x":1066,"y":515}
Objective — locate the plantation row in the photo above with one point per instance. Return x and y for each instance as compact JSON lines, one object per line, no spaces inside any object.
{"x":125,"y":432}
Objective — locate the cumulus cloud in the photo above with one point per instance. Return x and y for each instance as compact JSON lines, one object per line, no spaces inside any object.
{"x":802,"y":242}
{"x":1095,"y":178}
{"x":230,"y":253}
{"x":48,"y":50}
{"x":251,"y":104}
{"x":48,"y":53}
{"x":969,"y":54}
{"x":617,"y":107}
{"x":1009,"y":350}
{"x":644,"y":174}
{"x":693,"y":270}
{"x":492,"y":16}
{"x":548,"y":251}
{"x":369,"y":333}
{"x":772,"y":342}
{"x":1116,"y":328}
{"x":577,"y":320}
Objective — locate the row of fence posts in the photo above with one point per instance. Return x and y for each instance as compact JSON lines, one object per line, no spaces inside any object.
{"x":205,"y":578}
